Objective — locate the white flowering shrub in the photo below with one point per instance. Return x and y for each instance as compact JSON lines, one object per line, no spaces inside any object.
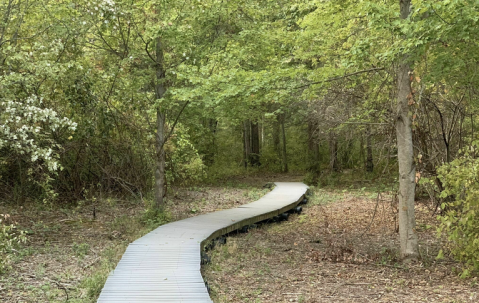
{"x":26,"y":128}
{"x":29,"y":136}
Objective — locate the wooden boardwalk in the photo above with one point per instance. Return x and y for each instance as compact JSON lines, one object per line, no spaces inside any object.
{"x":164,"y":265}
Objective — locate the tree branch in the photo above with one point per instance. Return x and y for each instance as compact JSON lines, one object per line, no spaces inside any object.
{"x":174,"y":124}
{"x":342,"y":77}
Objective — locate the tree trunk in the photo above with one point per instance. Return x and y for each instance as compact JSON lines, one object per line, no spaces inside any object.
{"x":313,"y":148}
{"x":407,"y":169}
{"x":361,"y":150}
{"x":160,"y":89}
{"x":333,"y":152}
{"x":277,"y":141}
{"x":160,"y":160}
{"x":262,"y":135}
{"x":460,"y":131}
{"x":285,"y":158}
{"x":472,"y":129}
{"x":210,"y":139}
{"x":369,"y":151}
{"x":345,"y":156}
{"x":255,"y":152}
{"x":246,"y":142}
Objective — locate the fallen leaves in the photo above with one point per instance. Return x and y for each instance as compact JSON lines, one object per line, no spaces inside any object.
{"x":320,"y":257}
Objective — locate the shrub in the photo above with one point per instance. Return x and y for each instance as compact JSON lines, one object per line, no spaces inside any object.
{"x":460,"y":217}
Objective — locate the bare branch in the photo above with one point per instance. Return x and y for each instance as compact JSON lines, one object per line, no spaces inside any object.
{"x":342,"y":77}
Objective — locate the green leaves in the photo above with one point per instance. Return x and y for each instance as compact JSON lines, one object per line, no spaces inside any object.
{"x":461,"y":209}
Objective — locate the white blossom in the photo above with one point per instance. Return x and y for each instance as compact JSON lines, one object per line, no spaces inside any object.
{"x":25,"y":128}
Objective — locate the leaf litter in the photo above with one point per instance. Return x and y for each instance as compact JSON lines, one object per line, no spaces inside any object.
{"x":341,"y":250}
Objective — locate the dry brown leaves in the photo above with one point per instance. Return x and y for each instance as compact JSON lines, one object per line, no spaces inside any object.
{"x":336,"y":253}
{"x":65,"y":245}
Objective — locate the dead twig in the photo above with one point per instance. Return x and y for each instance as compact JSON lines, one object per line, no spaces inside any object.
{"x":372,"y":219}
{"x":60,"y":287}
{"x":91,"y":263}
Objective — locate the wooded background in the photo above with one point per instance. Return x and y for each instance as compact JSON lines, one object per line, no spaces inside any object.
{"x":130,"y":97}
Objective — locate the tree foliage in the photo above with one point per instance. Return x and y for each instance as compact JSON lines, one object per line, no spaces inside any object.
{"x":459,"y":220}
{"x":84,"y":84}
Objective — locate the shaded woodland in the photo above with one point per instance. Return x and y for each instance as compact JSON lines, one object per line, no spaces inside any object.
{"x":133,"y":100}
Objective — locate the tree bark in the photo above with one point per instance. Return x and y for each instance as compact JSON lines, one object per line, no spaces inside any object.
{"x":333,"y":152}
{"x":362,"y":159}
{"x":255,"y":151}
{"x":210,"y":141}
{"x":407,"y":169}
{"x":246,"y":142}
{"x":277,"y":141}
{"x":313,"y":147}
{"x":160,"y":90}
{"x":285,"y":157}
{"x":261,"y":130}
{"x":369,"y":150}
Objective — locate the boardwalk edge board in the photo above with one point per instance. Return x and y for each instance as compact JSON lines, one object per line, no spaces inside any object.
{"x":164,"y":265}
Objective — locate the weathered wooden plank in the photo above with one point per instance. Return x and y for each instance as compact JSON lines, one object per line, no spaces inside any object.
{"x":164,"y":265}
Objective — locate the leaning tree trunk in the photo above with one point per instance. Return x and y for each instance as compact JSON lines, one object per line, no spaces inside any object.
{"x":407,"y":169}
{"x":160,"y":89}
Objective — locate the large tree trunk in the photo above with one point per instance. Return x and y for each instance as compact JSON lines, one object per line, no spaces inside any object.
{"x":251,"y":143}
{"x":407,"y":169}
{"x":160,"y":89}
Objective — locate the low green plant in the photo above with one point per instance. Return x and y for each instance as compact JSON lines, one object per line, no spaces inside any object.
{"x":94,"y":283}
{"x":460,"y":209}
{"x":81,"y":250}
{"x":153,"y":217}
{"x":10,"y":239}
{"x":324,"y":196}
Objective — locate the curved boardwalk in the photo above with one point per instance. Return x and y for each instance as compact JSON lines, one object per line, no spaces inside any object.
{"x":164,"y":265}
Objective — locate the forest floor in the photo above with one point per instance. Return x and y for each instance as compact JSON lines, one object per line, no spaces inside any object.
{"x":336,"y":252}
{"x":332,"y":252}
{"x":69,"y":253}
